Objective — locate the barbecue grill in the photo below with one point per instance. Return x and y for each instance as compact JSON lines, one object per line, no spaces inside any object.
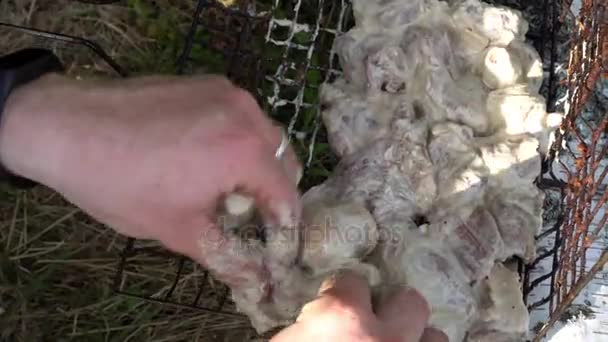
{"x":281,"y":51}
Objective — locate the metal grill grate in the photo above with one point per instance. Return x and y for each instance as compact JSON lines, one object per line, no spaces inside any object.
{"x":281,"y":50}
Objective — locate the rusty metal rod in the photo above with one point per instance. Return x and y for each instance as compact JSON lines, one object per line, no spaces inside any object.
{"x":572,"y":294}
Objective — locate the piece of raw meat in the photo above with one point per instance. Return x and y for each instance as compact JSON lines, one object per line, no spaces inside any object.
{"x":503,"y":316}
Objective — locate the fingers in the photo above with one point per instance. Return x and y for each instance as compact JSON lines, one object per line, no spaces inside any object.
{"x":260,"y":174}
{"x":404,"y":314}
{"x":270,"y":131}
{"x":433,"y":335}
{"x":276,"y":197}
{"x":271,"y":181}
{"x":343,"y":292}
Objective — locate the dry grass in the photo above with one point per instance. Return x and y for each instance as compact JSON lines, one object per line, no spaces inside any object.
{"x":57,"y":265}
{"x":133,"y":32}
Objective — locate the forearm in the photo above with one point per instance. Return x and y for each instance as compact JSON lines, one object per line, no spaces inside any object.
{"x":30,"y":143}
{"x":42,"y":130}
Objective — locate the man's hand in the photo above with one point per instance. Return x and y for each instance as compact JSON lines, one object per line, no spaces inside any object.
{"x":153,"y":158}
{"x":343,"y":312}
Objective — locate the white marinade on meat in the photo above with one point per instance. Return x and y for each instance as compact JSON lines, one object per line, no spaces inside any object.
{"x":438,"y":122}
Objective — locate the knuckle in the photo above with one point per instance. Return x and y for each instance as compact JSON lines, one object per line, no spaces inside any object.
{"x":252,"y":143}
{"x":242,"y":97}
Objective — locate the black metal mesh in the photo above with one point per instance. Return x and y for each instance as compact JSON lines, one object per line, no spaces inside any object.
{"x":281,"y":50}
{"x":183,"y":282}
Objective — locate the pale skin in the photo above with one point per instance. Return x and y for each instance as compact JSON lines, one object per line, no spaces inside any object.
{"x":154,"y":157}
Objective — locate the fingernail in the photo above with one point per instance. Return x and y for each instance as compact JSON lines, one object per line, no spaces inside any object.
{"x":433,"y":335}
{"x":328,"y":283}
{"x":342,"y":275}
{"x":334,"y":279}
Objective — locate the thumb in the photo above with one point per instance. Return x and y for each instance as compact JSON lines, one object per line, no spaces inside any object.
{"x":433,"y":335}
{"x":405,"y":313}
{"x":344,"y":291}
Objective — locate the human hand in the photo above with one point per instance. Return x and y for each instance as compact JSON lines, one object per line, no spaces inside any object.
{"x":343,"y":312}
{"x":152,"y":158}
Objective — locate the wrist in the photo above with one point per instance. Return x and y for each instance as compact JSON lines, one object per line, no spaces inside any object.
{"x":33,"y":143}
